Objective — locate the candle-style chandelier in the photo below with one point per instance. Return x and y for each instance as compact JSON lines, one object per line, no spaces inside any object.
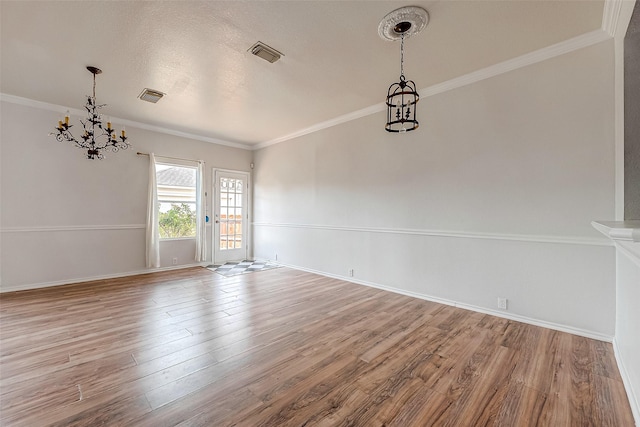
{"x":96,"y":136}
{"x":402,"y":97}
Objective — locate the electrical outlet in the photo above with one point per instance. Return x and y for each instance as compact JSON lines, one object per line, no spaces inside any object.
{"x":174,"y":261}
{"x":502,"y":303}
{"x":350,"y":272}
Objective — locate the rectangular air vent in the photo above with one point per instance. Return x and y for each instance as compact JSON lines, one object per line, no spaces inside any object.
{"x":151,"y":95}
{"x":265,"y":52}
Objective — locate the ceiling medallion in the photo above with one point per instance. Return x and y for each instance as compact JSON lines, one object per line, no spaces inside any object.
{"x":417,"y":17}
{"x":402,"y":97}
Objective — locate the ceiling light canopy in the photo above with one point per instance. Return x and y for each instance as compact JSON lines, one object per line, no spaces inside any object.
{"x":96,"y":136}
{"x":402,"y":97}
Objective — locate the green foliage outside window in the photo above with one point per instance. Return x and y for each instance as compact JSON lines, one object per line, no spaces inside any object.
{"x":179,"y":221}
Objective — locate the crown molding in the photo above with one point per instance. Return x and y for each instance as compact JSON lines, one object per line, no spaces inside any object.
{"x":570,"y":45}
{"x":611,"y":16}
{"x":324,"y":125}
{"x":549,"y":52}
{"x":139,"y":125}
{"x":616,"y":16}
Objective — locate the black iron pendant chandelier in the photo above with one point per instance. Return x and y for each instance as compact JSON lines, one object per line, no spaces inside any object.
{"x":402,"y":97}
{"x":96,"y":136}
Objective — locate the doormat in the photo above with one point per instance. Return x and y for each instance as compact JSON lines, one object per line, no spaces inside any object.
{"x":241,"y":267}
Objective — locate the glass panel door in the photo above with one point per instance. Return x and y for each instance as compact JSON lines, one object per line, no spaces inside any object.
{"x":230,"y":217}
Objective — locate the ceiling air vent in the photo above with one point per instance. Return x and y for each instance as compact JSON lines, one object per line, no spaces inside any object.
{"x":151,"y":95}
{"x":265,"y":52}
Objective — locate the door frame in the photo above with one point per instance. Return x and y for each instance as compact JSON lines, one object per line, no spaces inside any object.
{"x":215,"y":230}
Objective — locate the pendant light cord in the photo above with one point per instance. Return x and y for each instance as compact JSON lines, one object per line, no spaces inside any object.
{"x":94,"y":87}
{"x":402,"y":58}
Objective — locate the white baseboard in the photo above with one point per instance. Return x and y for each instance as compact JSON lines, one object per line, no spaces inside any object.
{"x":31,"y":286}
{"x":631,"y":395}
{"x":528,"y":320}
{"x":510,"y":316}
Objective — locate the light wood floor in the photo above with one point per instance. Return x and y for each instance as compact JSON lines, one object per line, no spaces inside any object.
{"x":287,"y":348}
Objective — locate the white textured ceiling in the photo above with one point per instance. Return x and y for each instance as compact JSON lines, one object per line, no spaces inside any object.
{"x":196,"y":52}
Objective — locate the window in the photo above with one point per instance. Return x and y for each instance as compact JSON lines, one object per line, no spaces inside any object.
{"x":176,"y":200}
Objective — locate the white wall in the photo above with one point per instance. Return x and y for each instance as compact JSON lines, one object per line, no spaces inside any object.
{"x":628,"y":320}
{"x":492,"y":197}
{"x":65,"y":218}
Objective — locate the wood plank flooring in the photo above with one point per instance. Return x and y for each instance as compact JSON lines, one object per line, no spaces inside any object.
{"x":287,"y":348}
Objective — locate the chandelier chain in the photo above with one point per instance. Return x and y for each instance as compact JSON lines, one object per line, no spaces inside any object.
{"x":402,"y":58}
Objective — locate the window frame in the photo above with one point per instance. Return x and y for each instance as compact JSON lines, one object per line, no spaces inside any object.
{"x":171,"y":163}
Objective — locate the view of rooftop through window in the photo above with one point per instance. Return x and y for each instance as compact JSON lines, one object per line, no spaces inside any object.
{"x":176,"y":200}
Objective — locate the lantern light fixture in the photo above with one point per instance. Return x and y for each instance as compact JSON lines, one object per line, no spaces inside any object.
{"x":402,"y":97}
{"x":97,"y":136}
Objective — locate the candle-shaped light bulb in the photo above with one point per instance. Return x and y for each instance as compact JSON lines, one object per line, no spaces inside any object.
{"x":123,"y":132}
{"x":59,"y":124}
{"x":66,"y":118}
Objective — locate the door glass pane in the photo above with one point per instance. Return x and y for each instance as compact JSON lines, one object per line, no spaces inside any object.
{"x":231,"y":213}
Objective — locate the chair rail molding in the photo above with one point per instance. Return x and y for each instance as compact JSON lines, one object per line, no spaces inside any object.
{"x":624,"y":234}
{"x":58,"y":228}
{"x":570,"y":240}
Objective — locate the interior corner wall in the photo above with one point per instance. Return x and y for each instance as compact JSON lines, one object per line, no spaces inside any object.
{"x":627,"y":338}
{"x":64,"y":218}
{"x":491,"y":197}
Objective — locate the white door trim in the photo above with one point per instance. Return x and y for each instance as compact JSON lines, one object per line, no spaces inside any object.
{"x":246,"y":230}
